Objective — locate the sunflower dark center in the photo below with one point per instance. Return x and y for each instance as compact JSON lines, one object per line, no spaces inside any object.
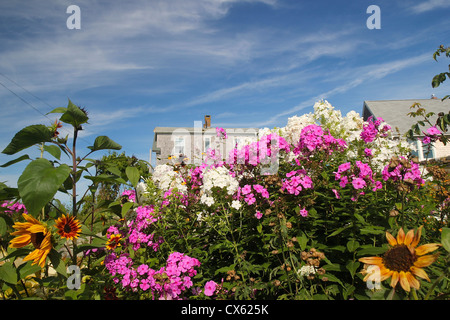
{"x":399,"y":258}
{"x":36,"y":239}
{"x":67,"y":228}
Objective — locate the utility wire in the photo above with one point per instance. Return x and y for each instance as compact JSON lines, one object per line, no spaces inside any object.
{"x":28,"y":103}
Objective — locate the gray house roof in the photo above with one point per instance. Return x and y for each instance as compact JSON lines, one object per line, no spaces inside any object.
{"x":395,"y":112}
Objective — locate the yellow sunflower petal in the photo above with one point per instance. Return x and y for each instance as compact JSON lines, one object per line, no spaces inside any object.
{"x":413,"y":282}
{"x":409,"y":237}
{"x":20,"y":241}
{"x":22,"y":226}
{"x":390,"y":238}
{"x":426,"y":248}
{"x":372,"y":260}
{"x":47,"y":242}
{"x":36,"y":228}
{"x":416,"y":239}
{"x":385,"y":273}
{"x":404,"y":281}
{"x":400,"y":236}
{"x":30,"y":219}
{"x":44,"y":254}
{"x":419,"y":272}
{"x":33,"y":255}
{"x":425,"y":261}
{"x":394,"y":279}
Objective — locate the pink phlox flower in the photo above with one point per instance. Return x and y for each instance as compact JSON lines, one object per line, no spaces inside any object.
{"x":336,"y":193}
{"x":358,"y":183}
{"x":221,"y":133}
{"x":303,"y":212}
{"x":433,"y":131}
{"x":210,"y":288}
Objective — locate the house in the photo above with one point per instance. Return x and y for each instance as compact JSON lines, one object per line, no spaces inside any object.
{"x":395,"y":113}
{"x":190,"y":144}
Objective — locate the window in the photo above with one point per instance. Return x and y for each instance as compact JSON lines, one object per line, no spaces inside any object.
{"x":178,"y":147}
{"x":423,"y":151}
{"x":207,"y":143}
{"x":427,"y":151}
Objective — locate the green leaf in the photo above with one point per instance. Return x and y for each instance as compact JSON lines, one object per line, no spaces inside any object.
{"x":302,"y":240}
{"x":259,"y":228}
{"x":332,"y":277}
{"x":352,"y":245}
{"x":28,"y":137}
{"x":24,"y":157}
{"x":339,"y":230}
{"x":371,"y":230}
{"x":26,"y":269}
{"x":21,"y":252}
{"x":360,"y":218}
{"x":39,"y":182}
{"x":58,"y":110}
{"x":74,"y":115}
{"x":371,"y":251}
{"x":8,"y":273}
{"x":445,"y":238}
{"x":352,"y":266}
{"x":103,"y":142}
{"x":126,"y":206}
{"x":57,"y":263}
{"x":3,"y":225}
{"x":5,"y":220}
{"x":133,"y":175}
{"x":54,"y":151}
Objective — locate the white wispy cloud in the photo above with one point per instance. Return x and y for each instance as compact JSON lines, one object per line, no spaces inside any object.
{"x":351,"y":79}
{"x":430,"y":5}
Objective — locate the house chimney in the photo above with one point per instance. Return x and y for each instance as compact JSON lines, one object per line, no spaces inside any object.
{"x":207,"y":122}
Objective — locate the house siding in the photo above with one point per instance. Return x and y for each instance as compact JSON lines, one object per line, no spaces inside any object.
{"x":194,"y":142}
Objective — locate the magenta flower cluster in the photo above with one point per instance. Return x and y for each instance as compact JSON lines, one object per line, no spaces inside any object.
{"x":13,"y":207}
{"x":171,"y":196}
{"x":168,"y":283}
{"x":360,"y":176}
{"x":130,"y":195}
{"x":251,"y":193}
{"x":296,"y":181}
{"x":313,"y":138}
{"x":372,"y":129}
{"x":221,"y":133}
{"x":138,"y":229}
{"x":259,"y":152}
{"x":431,"y":135}
{"x":404,"y":170}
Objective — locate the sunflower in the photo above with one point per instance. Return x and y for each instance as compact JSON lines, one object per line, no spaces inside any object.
{"x":404,"y":261}
{"x":113,"y":241}
{"x":36,"y":233}
{"x":68,"y":227}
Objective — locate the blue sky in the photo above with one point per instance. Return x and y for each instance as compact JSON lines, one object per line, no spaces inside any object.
{"x":137,"y":64}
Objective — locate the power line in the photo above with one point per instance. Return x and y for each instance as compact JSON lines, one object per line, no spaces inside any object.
{"x":30,"y":93}
{"x":25,"y":101}
{"x":29,"y":104}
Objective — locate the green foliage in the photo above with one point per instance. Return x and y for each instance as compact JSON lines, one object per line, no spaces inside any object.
{"x":28,"y":137}
{"x":441,"y":77}
{"x":39,"y":183}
